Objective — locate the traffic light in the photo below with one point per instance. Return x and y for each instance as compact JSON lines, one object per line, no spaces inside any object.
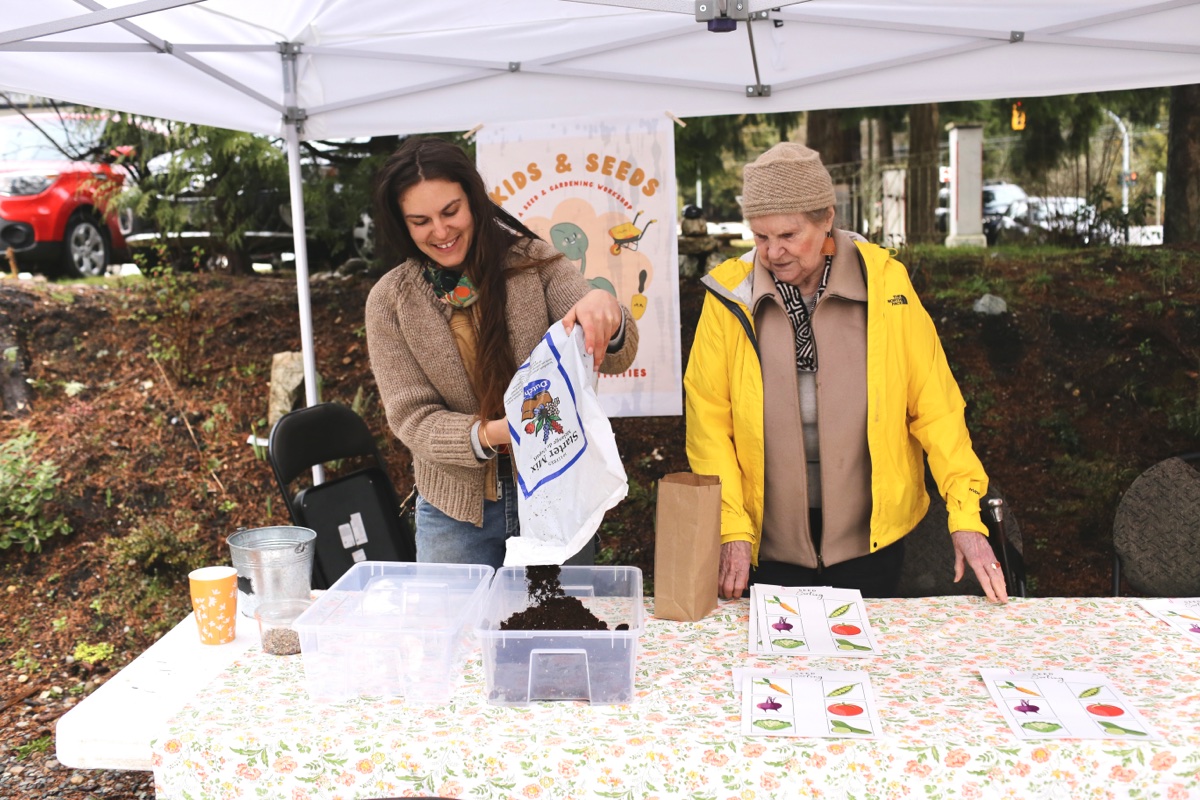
{"x":1018,"y":117}
{"x":1128,"y":178}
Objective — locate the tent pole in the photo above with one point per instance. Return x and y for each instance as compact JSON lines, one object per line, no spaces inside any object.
{"x":300,"y":245}
{"x":293,"y":122}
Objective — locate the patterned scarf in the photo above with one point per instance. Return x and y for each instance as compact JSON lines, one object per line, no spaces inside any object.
{"x":452,"y":287}
{"x":798,"y":313}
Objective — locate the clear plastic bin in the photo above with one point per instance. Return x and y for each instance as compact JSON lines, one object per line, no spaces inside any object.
{"x":389,"y":629}
{"x":594,"y":666}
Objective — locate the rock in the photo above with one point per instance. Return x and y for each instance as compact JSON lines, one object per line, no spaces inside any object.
{"x":697,"y":245}
{"x":287,"y":384}
{"x":689,"y":267}
{"x":990,"y":304}
{"x":75,"y":780}
{"x":353,"y":266}
{"x":713,"y":260}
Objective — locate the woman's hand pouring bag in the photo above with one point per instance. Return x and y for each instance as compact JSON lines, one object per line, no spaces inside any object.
{"x":568,"y":469}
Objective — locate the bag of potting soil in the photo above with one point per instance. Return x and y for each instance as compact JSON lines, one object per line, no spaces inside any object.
{"x":568,"y":469}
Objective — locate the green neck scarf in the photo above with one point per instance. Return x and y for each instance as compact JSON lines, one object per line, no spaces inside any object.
{"x":452,"y":287}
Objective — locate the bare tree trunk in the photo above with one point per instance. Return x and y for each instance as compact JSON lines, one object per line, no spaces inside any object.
{"x":922,"y":182}
{"x":14,"y":392}
{"x":883,"y":139}
{"x":836,"y":143}
{"x":1181,"y":215}
{"x":840,"y":146}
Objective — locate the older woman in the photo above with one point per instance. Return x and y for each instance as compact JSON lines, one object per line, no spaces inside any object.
{"x":814,"y":383}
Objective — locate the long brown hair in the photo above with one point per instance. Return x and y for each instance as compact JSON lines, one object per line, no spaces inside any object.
{"x":423,"y":158}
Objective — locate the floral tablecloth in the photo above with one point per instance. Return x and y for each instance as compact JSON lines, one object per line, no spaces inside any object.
{"x":254,"y":732}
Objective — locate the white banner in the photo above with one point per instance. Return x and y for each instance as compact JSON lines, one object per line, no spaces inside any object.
{"x":603,"y":193}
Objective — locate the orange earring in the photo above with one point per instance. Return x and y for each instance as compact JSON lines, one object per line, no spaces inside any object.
{"x":828,"y":247}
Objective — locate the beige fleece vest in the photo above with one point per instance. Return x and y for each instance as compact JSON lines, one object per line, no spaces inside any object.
{"x":840,"y":337}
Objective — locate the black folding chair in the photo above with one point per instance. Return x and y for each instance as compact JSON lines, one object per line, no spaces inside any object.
{"x":357,"y":515}
{"x":928,"y":568}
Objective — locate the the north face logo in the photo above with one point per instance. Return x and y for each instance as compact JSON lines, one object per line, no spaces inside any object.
{"x":898,"y":300}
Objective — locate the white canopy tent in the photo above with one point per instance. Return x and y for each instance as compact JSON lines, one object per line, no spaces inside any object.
{"x":341,"y":68}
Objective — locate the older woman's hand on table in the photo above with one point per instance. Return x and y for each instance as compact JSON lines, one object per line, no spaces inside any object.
{"x":734,"y":574}
{"x":973,"y":548}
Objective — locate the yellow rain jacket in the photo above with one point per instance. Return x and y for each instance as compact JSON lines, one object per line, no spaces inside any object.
{"x":914,"y":404}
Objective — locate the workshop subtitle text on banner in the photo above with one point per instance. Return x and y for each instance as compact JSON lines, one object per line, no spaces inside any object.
{"x":603,"y":193}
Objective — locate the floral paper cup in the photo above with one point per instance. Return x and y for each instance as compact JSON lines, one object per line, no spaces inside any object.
{"x":214,"y":600}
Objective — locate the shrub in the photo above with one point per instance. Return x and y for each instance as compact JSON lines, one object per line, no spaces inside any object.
{"x":27,"y":489}
{"x":93,"y":653}
{"x":148,"y":580}
{"x":170,"y":546}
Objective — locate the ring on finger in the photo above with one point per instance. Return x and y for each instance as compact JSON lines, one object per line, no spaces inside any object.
{"x":995,"y":565}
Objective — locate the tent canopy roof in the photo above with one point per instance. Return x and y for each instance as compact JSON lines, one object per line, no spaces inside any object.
{"x":365,"y":67}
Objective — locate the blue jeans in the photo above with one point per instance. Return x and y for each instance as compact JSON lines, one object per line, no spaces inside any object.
{"x":443,"y":539}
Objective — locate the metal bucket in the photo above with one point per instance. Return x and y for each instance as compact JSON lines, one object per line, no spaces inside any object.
{"x":272,"y":564}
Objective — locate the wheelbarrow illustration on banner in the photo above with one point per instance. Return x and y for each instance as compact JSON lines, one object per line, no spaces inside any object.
{"x":627,"y":235}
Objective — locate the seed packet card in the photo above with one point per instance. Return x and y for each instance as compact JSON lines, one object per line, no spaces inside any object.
{"x":809,"y":621}
{"x":823,"y":704}
{"x":1181,"y":613}
{"x":1063,"y":704}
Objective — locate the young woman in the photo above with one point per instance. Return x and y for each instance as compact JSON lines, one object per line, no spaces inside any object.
{"x":474,"y":292}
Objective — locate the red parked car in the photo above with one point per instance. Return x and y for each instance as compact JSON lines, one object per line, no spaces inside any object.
{"x":54,"y":176}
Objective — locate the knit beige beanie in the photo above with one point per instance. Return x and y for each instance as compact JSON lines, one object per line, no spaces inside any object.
{"x":787,"y":179}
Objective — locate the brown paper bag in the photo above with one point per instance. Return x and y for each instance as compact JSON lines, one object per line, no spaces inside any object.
{"x":687,"y":546}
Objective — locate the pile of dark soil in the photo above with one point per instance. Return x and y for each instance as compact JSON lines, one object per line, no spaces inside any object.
{"x":552,"y":609}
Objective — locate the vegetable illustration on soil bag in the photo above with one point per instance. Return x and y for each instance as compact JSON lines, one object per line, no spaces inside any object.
{"x":568,"y":469}
{"x":542,"y":413}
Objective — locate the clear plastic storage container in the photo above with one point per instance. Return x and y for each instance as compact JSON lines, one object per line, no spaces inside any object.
{"x":390,"y":629}
{"x":524,"y":666}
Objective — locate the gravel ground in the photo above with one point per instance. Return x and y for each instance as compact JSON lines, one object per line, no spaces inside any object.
{"x":28,"y":768}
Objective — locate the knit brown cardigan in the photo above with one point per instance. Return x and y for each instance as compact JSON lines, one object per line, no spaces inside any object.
{"x":426,"y":393}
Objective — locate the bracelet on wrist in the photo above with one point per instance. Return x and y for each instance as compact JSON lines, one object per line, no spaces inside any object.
{"x":483,"y":440}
